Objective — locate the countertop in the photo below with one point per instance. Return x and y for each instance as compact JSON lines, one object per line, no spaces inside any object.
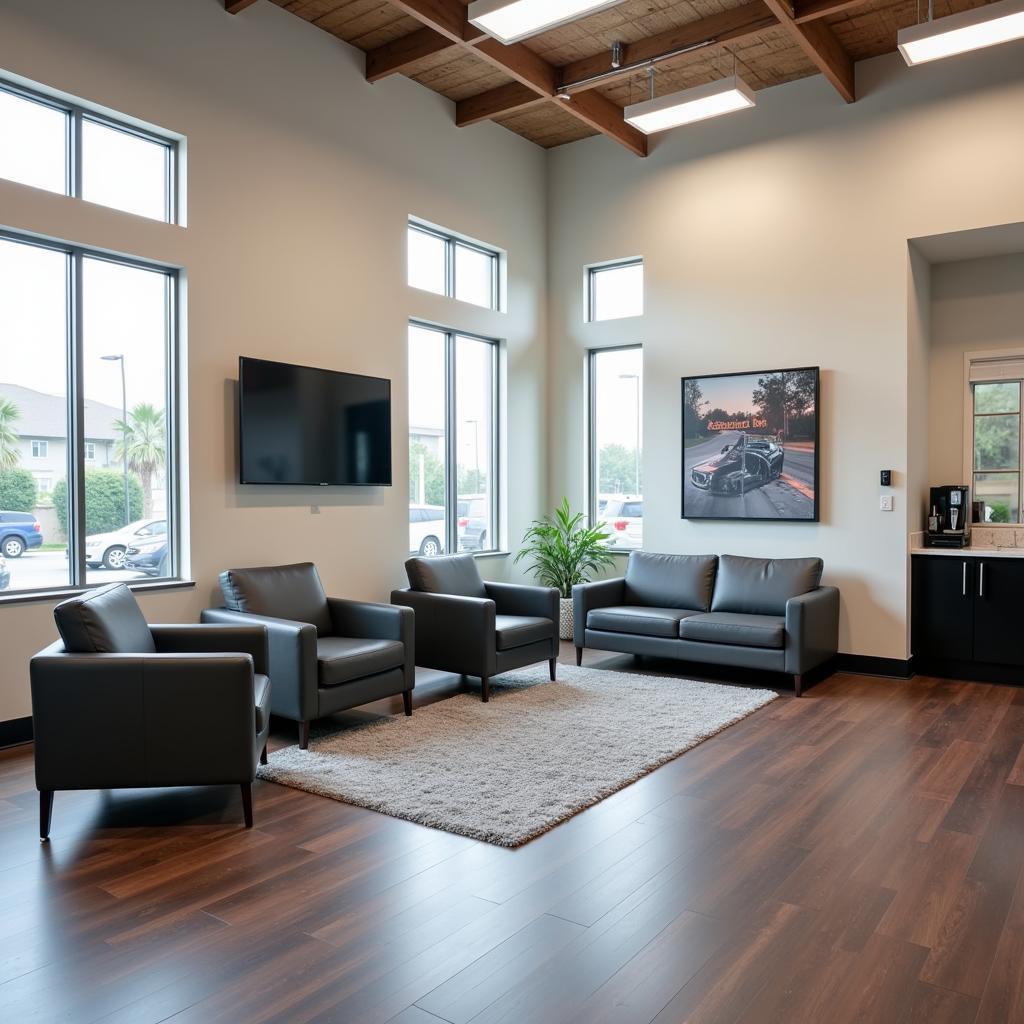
{"x":971,"y":552}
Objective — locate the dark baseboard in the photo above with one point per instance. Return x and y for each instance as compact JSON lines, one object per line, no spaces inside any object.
{"x":17,"y":730}
{"x":867,"y":665}
{"x":972,"y":671}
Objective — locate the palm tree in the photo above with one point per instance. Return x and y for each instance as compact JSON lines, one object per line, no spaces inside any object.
{"x":9,"y":437}
{"x":143,"y":446}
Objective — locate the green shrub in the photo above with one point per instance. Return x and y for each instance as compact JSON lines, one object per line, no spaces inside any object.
{"x":999,"y":512}
{"x":104,"y":501}
{"x":17,"y":490}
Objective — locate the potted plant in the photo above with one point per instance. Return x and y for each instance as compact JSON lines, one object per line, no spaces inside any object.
{"x":564,"y":551}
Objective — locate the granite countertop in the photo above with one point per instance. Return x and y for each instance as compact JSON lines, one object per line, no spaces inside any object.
{"x":986,"y":542}
{"x":971,"y":552}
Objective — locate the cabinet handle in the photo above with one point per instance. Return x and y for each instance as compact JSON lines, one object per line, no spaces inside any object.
{"x":981,"y":579}
{"x":965,"y":580}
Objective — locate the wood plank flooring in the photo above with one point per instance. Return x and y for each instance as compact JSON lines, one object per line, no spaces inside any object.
{"x":852,"y":856}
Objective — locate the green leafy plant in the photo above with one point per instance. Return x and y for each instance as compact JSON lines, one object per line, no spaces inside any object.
{"x":144,"y":444}
{"x":9,"y":416}
{"x":564,"y":551}
{"x":17,"y":490}
{"x":104,"y":501}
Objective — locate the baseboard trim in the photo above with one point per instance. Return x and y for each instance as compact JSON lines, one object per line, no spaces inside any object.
{"x":15,"y":732}
{"x":868,"y":665}
{"x":972,"y":671}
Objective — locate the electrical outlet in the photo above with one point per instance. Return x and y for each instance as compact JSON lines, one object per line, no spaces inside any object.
{"x":885,"y":502}
{"x":314,"y":510}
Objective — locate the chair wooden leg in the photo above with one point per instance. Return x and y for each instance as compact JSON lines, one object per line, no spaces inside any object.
{"x":552,"y":662}
{"x":579,"y":655}
{"x":303,"y":735}
{"x":407,"y":702}
{"x":45,"y":814}
{"x":247,"y":803}
{"x":798,"y":685}
{"x":485,"y":689}
{"x":263,"y":754}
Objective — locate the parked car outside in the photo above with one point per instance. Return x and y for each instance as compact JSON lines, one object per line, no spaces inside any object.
{"x":148,"y":557}
{"x":426,"y":530}
{"x":108,"y":549}
{"x":19,"y":532}
{"x":623,"y":517}
{"x":5,"y":574}
{"x":472,"y":520}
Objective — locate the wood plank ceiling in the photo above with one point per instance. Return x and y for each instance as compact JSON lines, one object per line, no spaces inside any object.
{"x":518,"y":86}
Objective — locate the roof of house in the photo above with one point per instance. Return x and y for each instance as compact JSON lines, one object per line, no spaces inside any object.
{"x":42,"y":415}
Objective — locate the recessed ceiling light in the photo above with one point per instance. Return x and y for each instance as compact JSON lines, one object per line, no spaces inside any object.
{"x":696,"y":104}
{"x":512,"y":20}
{"x":995,"y":23}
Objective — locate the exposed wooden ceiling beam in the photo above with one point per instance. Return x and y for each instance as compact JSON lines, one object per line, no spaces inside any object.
{"x":820,"y":44}
{"x":449,"y":17}
{"x":811,"y":10}
{"x":505,"y":99}
{"x":399,"y":55}
{"x":237,"y":6}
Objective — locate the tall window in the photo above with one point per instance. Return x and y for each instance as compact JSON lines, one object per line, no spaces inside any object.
{"x":616,"y":444}
{"x":65,"y":148}
{"x":451,"y":266}
{"x":996,"y":462}
{"x":452,"y":442}
{"x":615,"y":290}
{"x":88,"y":352}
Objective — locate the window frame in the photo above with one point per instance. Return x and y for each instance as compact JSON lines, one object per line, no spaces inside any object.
{"x":970,"y":454}
{"x":76,"y":113}
{"x":593,"y":354}
{"x":90,"y":446}
{"x":451,"y":479}
{"x":451,"y":244}
{"x":75,"y":465}
{"x":593,"y":271}
{"x":40,"y":448}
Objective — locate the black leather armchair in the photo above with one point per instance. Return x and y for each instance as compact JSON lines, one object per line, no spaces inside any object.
{"x":326,"y":654}
{"x":474,"y":628}
{"x":118,"y":704}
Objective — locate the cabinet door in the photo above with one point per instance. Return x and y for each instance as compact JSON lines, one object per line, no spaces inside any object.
{"x":999,"y":611}
{"x":942,"y":607}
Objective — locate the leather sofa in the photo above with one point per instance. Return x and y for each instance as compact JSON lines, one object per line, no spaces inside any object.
{"x":761,"y":613}
{"x":473,"y":628}
{"x":326,"y":654}
{"x":118,"y":704}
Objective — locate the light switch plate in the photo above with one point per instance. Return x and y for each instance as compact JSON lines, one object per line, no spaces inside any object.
{"x":885,"y":502}
{"x":314,"y":510}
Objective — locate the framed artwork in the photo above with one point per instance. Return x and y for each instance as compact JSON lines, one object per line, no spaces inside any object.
{"x":750,"y":446}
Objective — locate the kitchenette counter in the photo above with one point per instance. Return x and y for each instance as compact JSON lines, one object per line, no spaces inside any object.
{"x":971,"y":552}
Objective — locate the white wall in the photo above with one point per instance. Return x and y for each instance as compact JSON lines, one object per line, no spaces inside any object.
{"x":778,"y":237}
{"x":300,"y":180}
{"x":976,"y":306}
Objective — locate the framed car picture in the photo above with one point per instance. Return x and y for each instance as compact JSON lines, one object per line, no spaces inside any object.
{"x":750,"y":446}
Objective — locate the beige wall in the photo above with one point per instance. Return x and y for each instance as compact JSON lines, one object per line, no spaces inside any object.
{"x":778,"y":237}
{"x":976,"y":306}
{"x":300,"y":180}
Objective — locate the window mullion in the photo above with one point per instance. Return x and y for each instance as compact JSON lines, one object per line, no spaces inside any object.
{"x":76,"y":425}
{"x":451,"y":475}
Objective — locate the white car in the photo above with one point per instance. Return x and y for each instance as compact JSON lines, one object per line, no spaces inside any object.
{"x":623,"y":518}
{"x":107,"y":549}
{"x":426,"y":530}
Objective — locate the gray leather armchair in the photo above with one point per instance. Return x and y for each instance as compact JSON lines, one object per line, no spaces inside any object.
{"x":473,"y":628}
{"x":326,"y":654}
{"x":119,"y":704}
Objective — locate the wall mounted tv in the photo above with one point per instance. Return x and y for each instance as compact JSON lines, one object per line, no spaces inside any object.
{"x":317,"y":428}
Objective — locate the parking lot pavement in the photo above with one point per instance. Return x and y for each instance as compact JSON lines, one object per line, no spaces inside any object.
{"x":40,"y":569}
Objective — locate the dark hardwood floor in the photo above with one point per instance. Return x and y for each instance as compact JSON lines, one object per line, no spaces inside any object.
{"x":852,"y":856}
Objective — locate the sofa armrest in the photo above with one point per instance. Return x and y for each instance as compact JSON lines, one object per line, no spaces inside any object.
{"x":377,"y":622}
{"x":517,"y":599}
{"x":291,"y":659}
{"x":812,"y":629}
{"x":453,"y":634}
{"x":588,"y":596}
{"x":211,"y":638}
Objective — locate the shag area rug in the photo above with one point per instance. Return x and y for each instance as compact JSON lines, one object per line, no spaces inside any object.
{"x":537,"y":754}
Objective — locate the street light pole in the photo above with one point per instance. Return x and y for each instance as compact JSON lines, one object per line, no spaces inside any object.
{"x":635,"y":377}
{"x":124,"y":433}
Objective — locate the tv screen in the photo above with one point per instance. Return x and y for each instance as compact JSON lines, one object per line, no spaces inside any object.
{"x":300,"y":425}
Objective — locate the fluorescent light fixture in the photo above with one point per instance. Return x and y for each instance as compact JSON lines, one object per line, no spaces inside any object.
{"x":960,"y":33}
{"x":696,"y":104}
{"x":511,"y":20}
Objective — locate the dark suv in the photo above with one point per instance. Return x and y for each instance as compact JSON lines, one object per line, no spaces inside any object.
{"x":19,"y":531}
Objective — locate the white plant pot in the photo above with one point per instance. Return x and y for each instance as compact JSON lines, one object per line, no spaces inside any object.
{"x":565,"y":620}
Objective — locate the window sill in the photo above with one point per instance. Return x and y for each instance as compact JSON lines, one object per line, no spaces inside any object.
{"x":491,"y":554}
{"x":59,"y":594}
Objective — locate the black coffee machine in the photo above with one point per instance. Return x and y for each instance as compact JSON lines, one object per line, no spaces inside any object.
{"x":949,"y":517}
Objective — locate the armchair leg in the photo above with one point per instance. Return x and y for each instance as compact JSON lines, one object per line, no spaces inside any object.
{"x":579,"y":655}
{"x":247,"y":803}
{"x":798,"y":685}
{"x":45,"y":814}
{"x":485,"y":689}
{"x":407,"y":702}
{"x":552,"y":662}
{"x":303,"y":735}
{"x":263,"y":754}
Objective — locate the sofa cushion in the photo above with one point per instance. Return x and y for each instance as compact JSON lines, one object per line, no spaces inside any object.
{"x":670,"y":581}
{"x":642,"y":621}
{"x":261,"y":689}
{"x":448,"y":574}
{"x":107,"y":620}
{"x":280,"y":591}
{"x":341,"y":659}
{"x":520,"y":630}
{"x":735,"y":629}
{"x":762,"y":586}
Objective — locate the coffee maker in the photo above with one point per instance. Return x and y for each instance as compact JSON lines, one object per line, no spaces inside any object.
{"x":949,"y":517}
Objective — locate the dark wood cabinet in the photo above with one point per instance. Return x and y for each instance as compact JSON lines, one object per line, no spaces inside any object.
{"x":942,"y":607}
{"x":998,"y":608}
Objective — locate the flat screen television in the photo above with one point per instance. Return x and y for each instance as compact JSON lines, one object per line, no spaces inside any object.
{"x":317,"y":428}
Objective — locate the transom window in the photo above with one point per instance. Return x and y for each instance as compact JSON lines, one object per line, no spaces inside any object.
{"x":615,"y":290}
{"x":65,"y":148}
{"x":447,"y":265}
